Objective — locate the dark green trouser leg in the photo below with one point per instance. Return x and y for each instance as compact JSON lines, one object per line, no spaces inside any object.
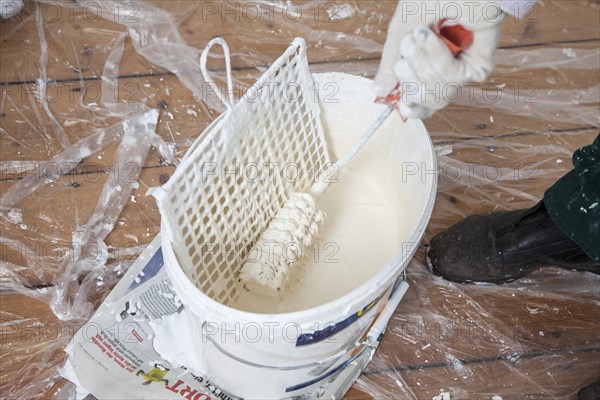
{"x":574,"y":201}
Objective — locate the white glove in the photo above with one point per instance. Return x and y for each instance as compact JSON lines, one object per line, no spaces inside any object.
{"x":429,"y":74}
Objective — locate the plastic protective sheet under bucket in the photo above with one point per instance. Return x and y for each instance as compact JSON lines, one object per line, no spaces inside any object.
{"x":265,"y":348}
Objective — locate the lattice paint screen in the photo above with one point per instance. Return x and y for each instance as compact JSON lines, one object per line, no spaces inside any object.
{"x":235,"y":178}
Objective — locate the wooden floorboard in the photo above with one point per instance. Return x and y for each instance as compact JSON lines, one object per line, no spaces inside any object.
{"x":178,"y":106}
{"x":329,"y":39}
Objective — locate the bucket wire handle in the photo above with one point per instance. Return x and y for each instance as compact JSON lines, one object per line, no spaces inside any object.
{"x":230,"y":100}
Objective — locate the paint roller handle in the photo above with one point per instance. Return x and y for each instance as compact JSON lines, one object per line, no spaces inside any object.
{"x":456,"y":37}
{"x":323,"y":181}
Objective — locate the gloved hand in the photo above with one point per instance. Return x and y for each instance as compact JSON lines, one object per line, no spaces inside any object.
{"x":429,"y":75}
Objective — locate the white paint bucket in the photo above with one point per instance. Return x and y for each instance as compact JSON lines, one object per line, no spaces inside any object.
{"x":265,"y":356}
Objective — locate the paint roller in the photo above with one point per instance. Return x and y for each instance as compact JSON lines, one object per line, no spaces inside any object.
{"x":296,"y":224}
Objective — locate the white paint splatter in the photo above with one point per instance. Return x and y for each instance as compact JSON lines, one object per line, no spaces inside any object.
{"x":15,"y":216}
{"x":444,"y":150}
{"x":45,"y":218}
{"x":442,"y":396}
{"x":456,"y":363}
{"x":569,"y":53}
{"x":341,"y":11}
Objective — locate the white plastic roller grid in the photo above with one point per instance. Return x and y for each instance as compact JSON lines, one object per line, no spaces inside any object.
{"x":231,"y":183}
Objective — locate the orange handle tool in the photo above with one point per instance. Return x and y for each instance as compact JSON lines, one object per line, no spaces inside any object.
{"x":456,"y":37}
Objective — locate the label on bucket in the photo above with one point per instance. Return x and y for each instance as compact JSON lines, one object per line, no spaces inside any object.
{"x":320,"y":335}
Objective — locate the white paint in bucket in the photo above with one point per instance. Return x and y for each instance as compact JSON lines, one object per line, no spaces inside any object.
{"x":276,"y":355}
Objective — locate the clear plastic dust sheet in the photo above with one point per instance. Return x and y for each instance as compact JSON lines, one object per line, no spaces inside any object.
{"x":101,"y":99}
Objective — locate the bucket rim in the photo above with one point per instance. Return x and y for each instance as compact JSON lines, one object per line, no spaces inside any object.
{"x":348,"y":302}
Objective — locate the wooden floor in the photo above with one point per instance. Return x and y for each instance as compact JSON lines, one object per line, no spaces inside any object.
{"x":538,"y":338}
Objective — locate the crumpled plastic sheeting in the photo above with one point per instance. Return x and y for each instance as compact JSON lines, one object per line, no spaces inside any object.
{"x":135,"y":132}
{"x":493,"y":155}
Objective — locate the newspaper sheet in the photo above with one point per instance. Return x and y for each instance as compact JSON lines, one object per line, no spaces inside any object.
{"x":112,"y":356}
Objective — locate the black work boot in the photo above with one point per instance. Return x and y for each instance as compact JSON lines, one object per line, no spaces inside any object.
{"x":503,"y":246}
{"x":590,"y":392}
